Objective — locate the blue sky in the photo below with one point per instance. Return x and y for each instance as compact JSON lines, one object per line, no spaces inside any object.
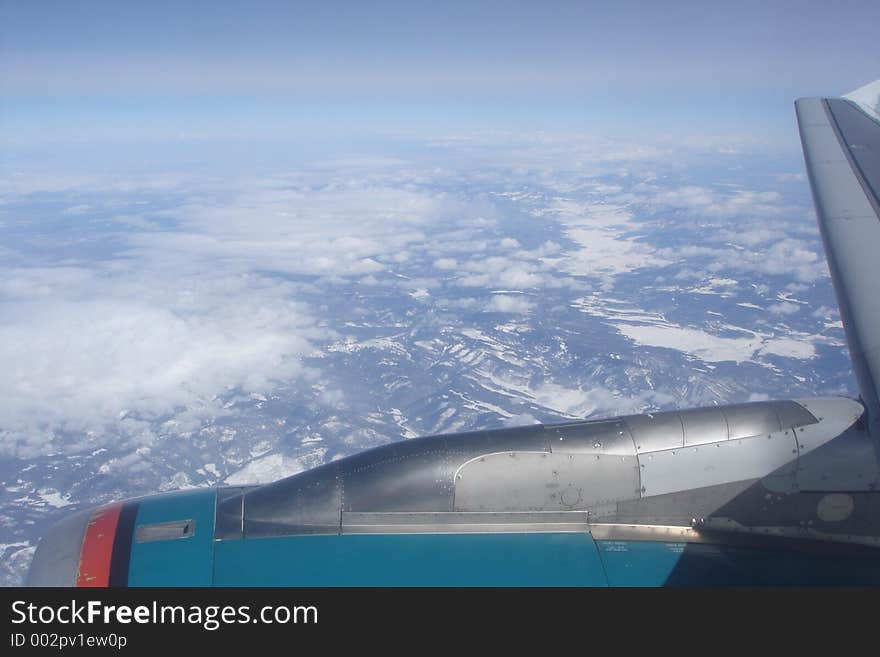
{"x":96,"y":72}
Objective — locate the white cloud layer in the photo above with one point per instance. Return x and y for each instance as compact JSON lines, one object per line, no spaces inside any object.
{"x":89,"y":350}
{"x":505,"y":303}
{"x":184,"y":315}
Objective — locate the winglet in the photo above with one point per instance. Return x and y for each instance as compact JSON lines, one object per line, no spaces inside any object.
{"x":868,"y":98}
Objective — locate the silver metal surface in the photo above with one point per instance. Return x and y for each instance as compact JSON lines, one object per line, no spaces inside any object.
{"x":633,"y":532}
{"x":836,"y":454}
{"x":704,"y":425}
{"x":746,"y":420}
{"x":541,"y":481}
{"x":655,"y":431}
{"x":589,"y":466}
{"x":56,"y":560}
{"x":308,"y":503}
{"x":797,"y":413}
{"x":682,"y":507}
{"x":229,"y":513}
{"x":454,"y":522}
{"x":610,"y":437}
{"x":678,"y":469}
{"x":165,"y":531}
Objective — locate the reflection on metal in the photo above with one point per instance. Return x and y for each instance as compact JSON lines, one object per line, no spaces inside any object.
{"x":656,"y":431}
{"x":835,"y":507}
{"x":165,"y":531}
{"x":541,"y":481}
{"x":598,"y":467}
{"x":627,"y":532}
{"x":745,"y":420}
{"x":470,"y":522}
{"x":705,"y":425}
{"x":610,"y":437}
{"x":229,"y":515}
{"x":729,"y":460}
{"x":56,"y":560}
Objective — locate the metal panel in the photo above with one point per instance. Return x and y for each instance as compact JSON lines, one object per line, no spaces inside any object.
{"x":842,"y":411}
{"x":596,"y":437}
{"x":655,"y":431}
{"x":680,"y":507}
{"x":540,"y":481}
{"x":56,"y":559}
{"x":581,"y":465}
{"x":413,"y":481}
{"x":165,"y":531}
{"x":634,"y":532}
{"x":793,"y":414}
{"x":836,"y":454}
{"x":717,"y":463}
{"x":464,"y":522}
{"x":229,"y":515}
{"x":703,"y":425}
{"x":754,"y":419}
{"x":308,"y":503}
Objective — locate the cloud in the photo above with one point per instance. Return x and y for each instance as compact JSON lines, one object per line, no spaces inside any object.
{"x":93,"y":350}
{"x":509,"y":273}
{"x":341,"y":231}
{"x":597,"y":400}
{"x":784,"y":308}
{"x":445,"y":264}
{"x":707,"y":202}
{"x":204,"y":302}
{"x":521,"y":420}
{"x":504,"y":303}
{"x":76,"y":210}
{"x":789,"y":257}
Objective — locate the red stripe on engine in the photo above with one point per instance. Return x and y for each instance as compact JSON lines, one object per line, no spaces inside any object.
{"x":97,"y":547}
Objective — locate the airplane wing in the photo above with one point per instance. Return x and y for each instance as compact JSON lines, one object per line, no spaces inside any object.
{"x":841,"y":142}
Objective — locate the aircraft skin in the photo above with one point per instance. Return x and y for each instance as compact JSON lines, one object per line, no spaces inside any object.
{"x":773,"y":493}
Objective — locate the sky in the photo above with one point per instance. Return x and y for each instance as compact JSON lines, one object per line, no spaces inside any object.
{"x":89,"y":73}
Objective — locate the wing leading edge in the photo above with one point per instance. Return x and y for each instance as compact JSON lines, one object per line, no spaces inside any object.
{"x":841,"y":144}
